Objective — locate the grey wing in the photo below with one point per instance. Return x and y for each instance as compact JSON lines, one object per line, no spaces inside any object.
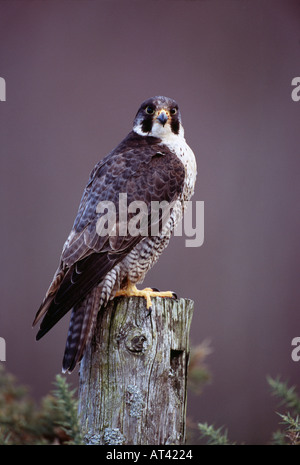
{"x":87,"y":255}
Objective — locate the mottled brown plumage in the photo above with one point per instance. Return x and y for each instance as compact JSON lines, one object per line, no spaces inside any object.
{"x":93,"y":267}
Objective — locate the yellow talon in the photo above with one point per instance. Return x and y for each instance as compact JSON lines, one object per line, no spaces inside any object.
{"x":147,"y":293}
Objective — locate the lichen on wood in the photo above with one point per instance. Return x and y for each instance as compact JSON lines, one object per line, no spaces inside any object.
{"x":133,"y":376}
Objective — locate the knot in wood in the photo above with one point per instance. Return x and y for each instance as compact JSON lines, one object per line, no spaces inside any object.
{"x":136,"y":342}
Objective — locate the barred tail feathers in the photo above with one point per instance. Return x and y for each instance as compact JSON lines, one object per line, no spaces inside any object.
{"x":81,"y":328}
{"x":83,"y":320}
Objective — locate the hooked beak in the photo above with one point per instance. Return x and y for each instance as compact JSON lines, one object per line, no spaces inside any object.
{"x":163,"y":117}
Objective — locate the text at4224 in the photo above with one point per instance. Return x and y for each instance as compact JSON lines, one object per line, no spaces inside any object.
{"x":153,"y":454}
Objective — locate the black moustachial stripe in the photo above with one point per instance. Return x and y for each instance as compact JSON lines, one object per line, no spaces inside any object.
{"x":94,"y":266}
{"x":147,"y":123}
{"x":175,"y":125}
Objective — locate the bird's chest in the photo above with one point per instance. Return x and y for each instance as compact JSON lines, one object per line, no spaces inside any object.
{"x":185,"y":154}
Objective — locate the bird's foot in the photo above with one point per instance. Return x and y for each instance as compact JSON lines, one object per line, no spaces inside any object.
{"x":147,"y":293}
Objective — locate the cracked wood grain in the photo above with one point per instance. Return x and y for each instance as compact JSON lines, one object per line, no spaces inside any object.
{"x":133,"y":377}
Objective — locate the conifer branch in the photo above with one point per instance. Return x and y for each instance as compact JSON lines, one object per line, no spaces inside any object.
{"x":212,"y":435}
{"x":287,"y":394}
{"x":67,"y":408}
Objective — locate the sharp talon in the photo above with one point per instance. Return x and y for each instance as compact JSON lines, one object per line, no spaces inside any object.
{"x":147,"y":293}
{"x":154,"y":289}
{"x":149,"y":312}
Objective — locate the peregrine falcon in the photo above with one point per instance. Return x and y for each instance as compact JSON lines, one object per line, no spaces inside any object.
{"x":152,"y":164}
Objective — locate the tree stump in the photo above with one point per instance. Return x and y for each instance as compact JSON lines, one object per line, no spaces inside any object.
{"x":133,"y":376}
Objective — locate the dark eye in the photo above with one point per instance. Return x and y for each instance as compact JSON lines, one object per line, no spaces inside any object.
{"x":149,"y":110}
{"x":173,"y":111}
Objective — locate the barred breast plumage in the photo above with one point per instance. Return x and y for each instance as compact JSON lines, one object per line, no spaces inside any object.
{"x":152,"y":164}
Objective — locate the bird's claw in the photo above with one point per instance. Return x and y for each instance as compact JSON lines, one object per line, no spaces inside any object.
{"x":149,"y":312}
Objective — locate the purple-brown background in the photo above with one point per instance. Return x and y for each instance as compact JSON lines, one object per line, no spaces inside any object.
{"x":76,"y":73}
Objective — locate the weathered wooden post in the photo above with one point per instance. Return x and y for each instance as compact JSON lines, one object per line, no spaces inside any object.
{"x":133,"y":377}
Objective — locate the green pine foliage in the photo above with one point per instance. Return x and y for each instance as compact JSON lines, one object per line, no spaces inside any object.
{"x":291,"y":433}
{"x":288,"y":434}
{"x":287,"y":395}
{"x":213,"y":436}
{"x":55,"y":420}
{"x":23,"y":422}
{"x":67,"y":410}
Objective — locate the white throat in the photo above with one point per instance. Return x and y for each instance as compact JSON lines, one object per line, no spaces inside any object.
{"x":177,"y":144}
{"x":160,"y":131}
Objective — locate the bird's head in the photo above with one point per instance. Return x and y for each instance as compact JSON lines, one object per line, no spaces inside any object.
{"x":158,"y":117}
